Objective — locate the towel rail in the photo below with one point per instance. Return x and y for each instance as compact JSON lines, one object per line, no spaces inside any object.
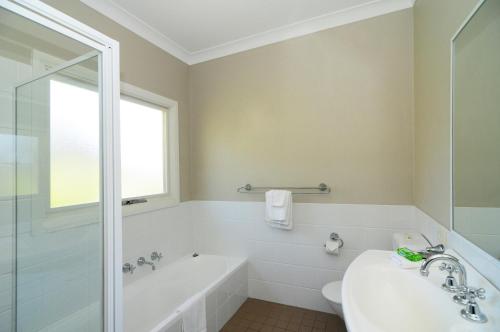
{"x":321,"y":189}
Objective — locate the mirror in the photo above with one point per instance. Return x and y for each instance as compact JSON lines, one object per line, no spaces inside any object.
{"x":476,"y":128}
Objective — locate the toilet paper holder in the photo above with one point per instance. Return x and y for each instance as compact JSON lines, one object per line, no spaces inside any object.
{"x":336,"y":237}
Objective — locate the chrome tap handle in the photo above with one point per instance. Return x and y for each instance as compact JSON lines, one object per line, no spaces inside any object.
{"x":448,"y":268}
{"x":156,"y":256}
{"x":128,"y":268}
{"x":472,"y":311}
{"x":141,"y":261}
{"x":450,"y":283}
{"x":474,"y":293}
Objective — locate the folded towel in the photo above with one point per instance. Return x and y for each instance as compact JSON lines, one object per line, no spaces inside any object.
{"x":194,"y":316}
{"x":404,"y":263}
{"x":279,"y":209}
{"x":279,"y":197}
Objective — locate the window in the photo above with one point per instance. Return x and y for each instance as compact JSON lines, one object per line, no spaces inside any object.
{"x":74,"y":145}
{"x":143,"y":149}
{"x":149,"y":149}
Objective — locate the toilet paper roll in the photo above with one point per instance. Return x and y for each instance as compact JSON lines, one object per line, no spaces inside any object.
{"x":332,"y":247}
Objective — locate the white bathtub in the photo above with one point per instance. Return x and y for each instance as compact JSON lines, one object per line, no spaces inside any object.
{"x":152,"y":303}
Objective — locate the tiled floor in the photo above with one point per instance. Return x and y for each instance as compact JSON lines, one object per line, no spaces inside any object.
{"x":261,"y":316}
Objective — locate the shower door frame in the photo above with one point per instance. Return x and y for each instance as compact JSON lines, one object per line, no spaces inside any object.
{"x":53,"y":19}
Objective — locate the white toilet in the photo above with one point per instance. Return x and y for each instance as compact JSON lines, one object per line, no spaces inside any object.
{"x":332,"y":291}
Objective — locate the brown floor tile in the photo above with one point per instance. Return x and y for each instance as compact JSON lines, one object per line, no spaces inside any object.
{"x":307,"y":322}
{"x":293,"y":327}
{"x":282,"y":324}
{"x":271,"y":321}
{"x":319,"y":325}
{"x":262,"y":316}
{"x":256,"y":326}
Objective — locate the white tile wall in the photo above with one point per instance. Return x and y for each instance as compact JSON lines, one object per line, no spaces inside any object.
{"x":291,"y":267}
{"x":169,"y":231}
{"x":288,"y":267}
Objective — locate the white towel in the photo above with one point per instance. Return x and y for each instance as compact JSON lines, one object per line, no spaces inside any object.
{"x":279,"y":209}
{"x":278,"y":197}
{"x":194,"y":315}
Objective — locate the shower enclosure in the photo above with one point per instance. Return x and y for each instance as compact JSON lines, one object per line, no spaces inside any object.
{"x":60,"y":235}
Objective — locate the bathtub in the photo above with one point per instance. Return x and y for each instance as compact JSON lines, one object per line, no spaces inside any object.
{"x":151,"y":304}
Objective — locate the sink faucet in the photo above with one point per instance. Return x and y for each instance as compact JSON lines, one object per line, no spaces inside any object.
{"x":462,"y":275}
{"x":465,"y":295}
{"x":141,"y":261}
{"x":432,"y":250}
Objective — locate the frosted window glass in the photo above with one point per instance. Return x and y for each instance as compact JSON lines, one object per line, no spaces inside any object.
{"x":142,"y":149}
{"x":74,"y":145}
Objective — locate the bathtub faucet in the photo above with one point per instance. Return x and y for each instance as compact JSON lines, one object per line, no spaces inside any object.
{"x":141,"y":261}
{"x":156,"y":256}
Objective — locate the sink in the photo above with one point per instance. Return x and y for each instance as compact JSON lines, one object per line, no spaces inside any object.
{"x":379,"y":296}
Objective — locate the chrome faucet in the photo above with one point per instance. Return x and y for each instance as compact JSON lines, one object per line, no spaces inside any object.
{"x":453,"y":261}
{"x":141,"y":261}
{"x":432,"y":250}
{"x":471,"y":311}
{"x":156,"y":256}
{"x":465,"y":295}
{"x":128,"y":268}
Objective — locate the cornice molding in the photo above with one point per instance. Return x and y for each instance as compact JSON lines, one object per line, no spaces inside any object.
{"x":315,"y":24}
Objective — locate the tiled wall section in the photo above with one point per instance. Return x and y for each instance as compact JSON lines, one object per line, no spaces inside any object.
{"x":169,"y":231}
{"x":291,"y":267}
{"x":226,"y":299}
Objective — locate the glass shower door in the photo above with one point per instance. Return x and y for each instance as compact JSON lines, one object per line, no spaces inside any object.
{"x":59,"y":199}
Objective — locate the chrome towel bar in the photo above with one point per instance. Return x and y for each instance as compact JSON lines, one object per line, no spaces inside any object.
{"x":321,"y":189}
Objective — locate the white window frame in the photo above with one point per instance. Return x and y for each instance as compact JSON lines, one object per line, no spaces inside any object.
{"x":172,"y":196}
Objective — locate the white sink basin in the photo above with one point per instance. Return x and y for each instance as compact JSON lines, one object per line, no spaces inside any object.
{"x":379,"y":296}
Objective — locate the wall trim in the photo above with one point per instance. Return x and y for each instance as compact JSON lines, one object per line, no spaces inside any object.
{"x":121,"y":16}
{"x":341,"y":17}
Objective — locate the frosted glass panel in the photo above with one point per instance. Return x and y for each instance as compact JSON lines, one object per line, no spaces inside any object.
{"x":59,"y":236}
{"x":74,"y":145}
{"x":142,"y":149}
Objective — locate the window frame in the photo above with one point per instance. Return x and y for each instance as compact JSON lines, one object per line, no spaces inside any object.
{"x":171,"y":197}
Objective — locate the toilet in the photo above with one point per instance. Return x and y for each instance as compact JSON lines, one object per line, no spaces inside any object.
{"x":332,"y":291}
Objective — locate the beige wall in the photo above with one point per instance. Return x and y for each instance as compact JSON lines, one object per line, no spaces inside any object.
{"x":333,"y":107}
{"x":146,"y":66}
{"x":435,"y":23}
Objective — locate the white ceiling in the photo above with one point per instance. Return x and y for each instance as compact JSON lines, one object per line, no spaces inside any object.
{"x":200,"y":30}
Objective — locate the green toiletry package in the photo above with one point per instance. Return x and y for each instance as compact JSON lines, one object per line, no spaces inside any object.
{"x":409,"y":254}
